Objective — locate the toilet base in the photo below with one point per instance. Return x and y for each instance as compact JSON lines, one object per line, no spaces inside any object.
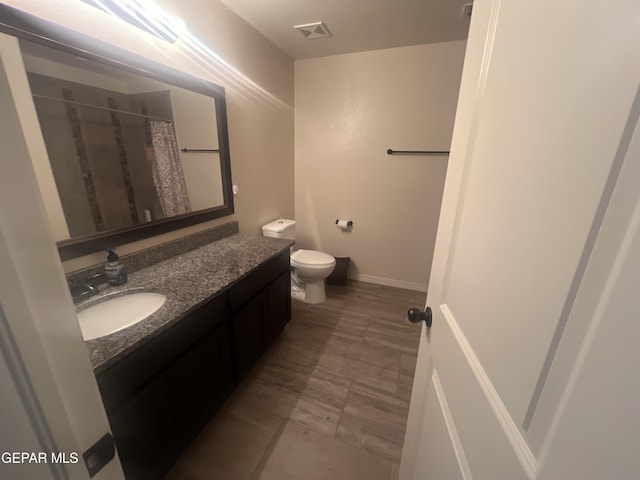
{"x":312,"y":292}
{"x":297,"y":293}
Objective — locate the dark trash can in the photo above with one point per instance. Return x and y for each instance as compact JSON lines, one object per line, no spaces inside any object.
{"x":339,"y":274}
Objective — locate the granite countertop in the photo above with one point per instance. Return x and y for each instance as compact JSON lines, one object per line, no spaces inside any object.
{"x":188,"y":280}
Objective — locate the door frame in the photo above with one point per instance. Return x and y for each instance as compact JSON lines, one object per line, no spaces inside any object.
{"x":47,"y":349}
{"x":476,"y":66}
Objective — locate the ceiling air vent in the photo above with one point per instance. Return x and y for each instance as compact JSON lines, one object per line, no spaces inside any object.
{"x":314,"y":30}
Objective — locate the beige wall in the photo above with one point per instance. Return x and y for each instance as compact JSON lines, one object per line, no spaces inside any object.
{"x":259,"y":84}
{"x":349,"y":109}
{"x":194,"y":120}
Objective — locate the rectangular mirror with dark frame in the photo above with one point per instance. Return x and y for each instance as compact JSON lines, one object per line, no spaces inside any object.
{"x":135,"y":147}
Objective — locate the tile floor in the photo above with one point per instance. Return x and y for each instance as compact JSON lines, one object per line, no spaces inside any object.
{"x":329,"y":400}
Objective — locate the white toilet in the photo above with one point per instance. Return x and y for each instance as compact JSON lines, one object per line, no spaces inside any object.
{"x":310,"y":267}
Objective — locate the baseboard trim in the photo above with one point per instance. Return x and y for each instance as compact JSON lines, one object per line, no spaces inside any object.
{"x":390,"y":282}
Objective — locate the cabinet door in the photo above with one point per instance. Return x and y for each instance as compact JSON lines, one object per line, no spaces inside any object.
{"x":198,"y":383}
{"x":248,"y":333}
{"x":121,"y":381}
{"x":142,"y":434}
{"x":278,"y":306}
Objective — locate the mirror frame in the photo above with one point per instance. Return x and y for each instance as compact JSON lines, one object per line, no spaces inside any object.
{"x":35,"y":29}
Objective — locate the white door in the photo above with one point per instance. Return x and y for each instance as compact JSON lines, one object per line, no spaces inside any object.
{"x":45,"y":371}
{"x":538,"y":219}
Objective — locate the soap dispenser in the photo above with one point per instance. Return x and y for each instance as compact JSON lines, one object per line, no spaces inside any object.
{"x":116,"y":272}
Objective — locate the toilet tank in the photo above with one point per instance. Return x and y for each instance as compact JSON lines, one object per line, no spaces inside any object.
{"x":281,"y":228}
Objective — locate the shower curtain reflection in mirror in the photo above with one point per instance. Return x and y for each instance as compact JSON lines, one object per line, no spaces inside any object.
{"x":114,"y":156}
{"x":168,"y":176}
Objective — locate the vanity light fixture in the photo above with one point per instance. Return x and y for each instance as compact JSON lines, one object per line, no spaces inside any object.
{"x":314,"y":30}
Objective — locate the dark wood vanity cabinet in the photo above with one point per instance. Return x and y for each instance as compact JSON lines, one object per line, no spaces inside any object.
{"x":258,"y":315}
{"x":158,"y":397}
{"x":142,"y":430}
{"x":161,"y":395}
{"x":198,"y":383}
{"x":248,"y":334}
{"x":278,"y":306}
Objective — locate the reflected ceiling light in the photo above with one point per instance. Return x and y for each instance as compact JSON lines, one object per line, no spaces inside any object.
{"x":146,"y":15}
{"x":131,"y":11}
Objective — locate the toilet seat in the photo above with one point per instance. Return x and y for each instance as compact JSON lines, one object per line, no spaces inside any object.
{"x":311,"y":258}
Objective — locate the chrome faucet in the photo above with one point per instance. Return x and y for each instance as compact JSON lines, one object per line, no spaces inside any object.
{"x":82,"y":289}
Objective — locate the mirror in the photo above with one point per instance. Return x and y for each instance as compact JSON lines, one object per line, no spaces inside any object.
{"x":135,"y":148}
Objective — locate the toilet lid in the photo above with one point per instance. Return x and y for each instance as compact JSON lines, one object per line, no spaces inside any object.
{"x":311,"y":258}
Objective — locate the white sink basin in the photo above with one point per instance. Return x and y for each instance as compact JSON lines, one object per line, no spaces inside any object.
{"x":109,"y":316}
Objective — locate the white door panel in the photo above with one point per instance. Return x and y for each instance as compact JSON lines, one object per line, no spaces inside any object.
{"x":481,"y":418}
{"x":441,"y":456}
{"x":623,"y":202}
{"x":595,"y":431}
{"x":531,"y":197}
{"x":544,"y":115}
{"x":15,"y":418}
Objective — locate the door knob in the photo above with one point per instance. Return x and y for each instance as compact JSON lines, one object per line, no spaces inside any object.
{"x":415,"y":315}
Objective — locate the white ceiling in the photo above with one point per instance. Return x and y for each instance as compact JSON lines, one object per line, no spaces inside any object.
{"x":356,"y":25}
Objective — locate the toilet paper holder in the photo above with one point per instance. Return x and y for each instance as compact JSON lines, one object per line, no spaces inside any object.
{"x":347,"y":223}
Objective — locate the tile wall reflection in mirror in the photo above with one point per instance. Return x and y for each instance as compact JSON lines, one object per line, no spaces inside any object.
{"x":114,"y":142}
